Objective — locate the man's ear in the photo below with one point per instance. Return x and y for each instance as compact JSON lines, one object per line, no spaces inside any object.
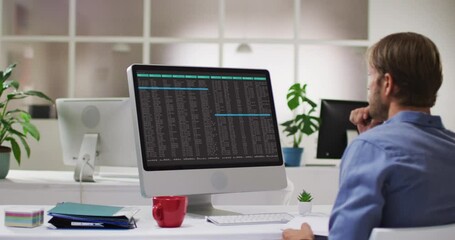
{"x":388,"y":85}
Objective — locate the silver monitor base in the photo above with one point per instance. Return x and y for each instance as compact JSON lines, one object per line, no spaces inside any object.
{"x":200,"y":206}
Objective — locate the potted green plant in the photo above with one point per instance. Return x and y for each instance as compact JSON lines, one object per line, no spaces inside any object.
{"x":303,"y":123}
{"x":305,"y":203}
{"x":15,"y":125}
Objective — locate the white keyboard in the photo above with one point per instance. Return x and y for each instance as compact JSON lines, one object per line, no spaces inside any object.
{"x":259,"y":218}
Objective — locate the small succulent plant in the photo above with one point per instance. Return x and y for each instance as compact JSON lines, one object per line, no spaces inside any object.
{"x":305,"y":196}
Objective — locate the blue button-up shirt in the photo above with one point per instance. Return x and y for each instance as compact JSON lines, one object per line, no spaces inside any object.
{"x":398,"y":174}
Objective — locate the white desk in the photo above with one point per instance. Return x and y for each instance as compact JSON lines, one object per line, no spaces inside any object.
{"x":147,"y":228}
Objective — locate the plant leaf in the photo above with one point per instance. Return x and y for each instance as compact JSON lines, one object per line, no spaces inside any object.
{"x":307,"y":124}
{"x":8,"y":72}
{"x":16,"y":111}
{"x":5,"y":129}
{"x":30,"y":128}
{"x":312,"y":104}
{"x":16,"y":149}
{"x":291,"y":130}
{"x":16,"y":95}
{"x":25,"y":115}
{"x":15,"y":132}
{"x":25,"y":144}
{"x":12,"y":83}
{"x":287,"y":123}
{"x":38,"y":94}
{"x":295,"y":95}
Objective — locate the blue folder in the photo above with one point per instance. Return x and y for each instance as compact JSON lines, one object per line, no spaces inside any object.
{"x":77,"y":215}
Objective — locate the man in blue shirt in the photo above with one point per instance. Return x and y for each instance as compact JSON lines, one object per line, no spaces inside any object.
{"x":398,"y":171}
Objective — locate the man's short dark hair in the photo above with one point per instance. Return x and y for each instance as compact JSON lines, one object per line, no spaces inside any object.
{"x":414,"y":63}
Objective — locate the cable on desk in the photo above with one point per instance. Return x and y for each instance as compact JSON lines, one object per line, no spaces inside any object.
{"x":86,"y":158}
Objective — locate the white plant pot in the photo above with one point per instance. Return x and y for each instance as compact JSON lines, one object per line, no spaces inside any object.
{"x":304,"y":208}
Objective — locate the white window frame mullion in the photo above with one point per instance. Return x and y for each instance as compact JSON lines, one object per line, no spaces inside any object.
{"x":72,"y":49}
{"x":1,"y":19}
{"x":146,"y":37}
{"x":296,"y":39}
{"x":221,"y":24}
{"x":1,"y":32}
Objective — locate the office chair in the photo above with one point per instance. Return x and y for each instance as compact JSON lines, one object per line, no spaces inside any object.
{"x":442,"y":232}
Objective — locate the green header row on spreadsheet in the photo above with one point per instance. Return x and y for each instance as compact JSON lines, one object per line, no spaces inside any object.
{"x":200,"y":77}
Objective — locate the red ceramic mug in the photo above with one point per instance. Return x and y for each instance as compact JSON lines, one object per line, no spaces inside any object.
{"x":169,"y":211}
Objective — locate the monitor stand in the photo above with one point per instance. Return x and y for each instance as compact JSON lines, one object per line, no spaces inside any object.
{"x":85,"y":166}
{"x":200,"y":205}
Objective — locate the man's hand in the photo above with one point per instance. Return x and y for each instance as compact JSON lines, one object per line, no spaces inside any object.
{"x":362,"y":119}
{"x":304,"y":233}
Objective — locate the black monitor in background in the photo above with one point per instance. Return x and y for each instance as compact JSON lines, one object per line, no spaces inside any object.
{"x":335,"y":126}
{"x":41,"y":111}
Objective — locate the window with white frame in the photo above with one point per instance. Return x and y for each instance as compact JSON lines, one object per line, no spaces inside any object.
{"x":81,"y":48}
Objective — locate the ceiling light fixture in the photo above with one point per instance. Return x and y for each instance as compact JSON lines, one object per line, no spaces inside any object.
{"x":244,"y":48}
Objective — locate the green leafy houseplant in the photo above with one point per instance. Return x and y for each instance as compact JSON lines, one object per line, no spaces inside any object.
{"x":305,"y":196}
{"x":15,"y":125}
{"x":303,"y":122}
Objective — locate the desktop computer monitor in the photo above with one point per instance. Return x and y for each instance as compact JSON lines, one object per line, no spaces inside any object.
{"x":201,"y":131}
{"x":336,"y":131}
{"x":95,"y":132}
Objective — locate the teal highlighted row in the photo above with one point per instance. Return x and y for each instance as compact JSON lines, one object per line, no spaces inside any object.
{"x":242,"y":115}
{"x":174,"y":88}
{"x":200,"y":77}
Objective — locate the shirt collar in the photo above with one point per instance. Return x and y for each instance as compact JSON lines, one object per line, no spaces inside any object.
{"x":419,"y":118}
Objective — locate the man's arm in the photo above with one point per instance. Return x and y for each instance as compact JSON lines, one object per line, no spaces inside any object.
{"x":358,"y":206}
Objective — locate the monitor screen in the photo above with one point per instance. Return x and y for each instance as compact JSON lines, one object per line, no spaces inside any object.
{"x":96,"y":132}
{"x":205,"y":130}
{"x":335,"y":129}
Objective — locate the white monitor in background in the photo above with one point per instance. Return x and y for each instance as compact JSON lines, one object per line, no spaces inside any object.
{"x":95,"y":132}
{"x":201,"y":131}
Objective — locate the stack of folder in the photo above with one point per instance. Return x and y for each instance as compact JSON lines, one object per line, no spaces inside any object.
{"x":76,"y":215}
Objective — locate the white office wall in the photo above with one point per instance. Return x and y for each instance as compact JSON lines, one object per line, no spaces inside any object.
{"x":433,"y":18}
